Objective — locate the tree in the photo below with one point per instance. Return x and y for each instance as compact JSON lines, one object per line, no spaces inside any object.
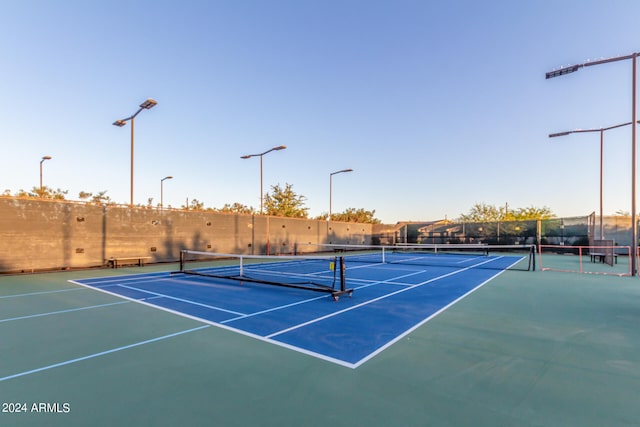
{"x":481,"y":212}
{"x":353,"y":215}
{"x":83,"y":195}
{"x":237,"y":208}
{"x":524,"y":214}
{"x":43,"y":193}
{"x":195,"y":205}
{"x":285,"y":202}
{"x":99,"y":198}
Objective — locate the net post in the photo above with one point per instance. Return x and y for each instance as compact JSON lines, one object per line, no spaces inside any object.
{"x":532,"y":251}
{"x":182,"y":260}
{"x":343,"y":267}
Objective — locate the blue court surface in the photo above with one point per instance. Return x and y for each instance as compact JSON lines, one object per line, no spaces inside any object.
{"x":389,"y":300}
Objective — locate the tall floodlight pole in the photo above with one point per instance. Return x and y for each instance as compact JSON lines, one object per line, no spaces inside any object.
{"x":162,"y":190}
{"x":331,"y":187}
{"x":248,"y":156}
{"x":601,"y":131}
{"x":41,"y":162}
{"x":146,"y":105}
{"x":633,"y":57}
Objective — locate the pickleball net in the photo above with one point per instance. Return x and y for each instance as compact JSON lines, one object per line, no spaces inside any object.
{"x":319,"y":273}
{"x":482,"y":256}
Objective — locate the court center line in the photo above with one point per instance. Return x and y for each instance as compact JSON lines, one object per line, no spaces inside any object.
{"x":428,"y":318}
{"x":281,"y":307}
{"x":51,"y":313}
{"x":102,"y":353}
{"x":183,"y":300}
{"x":301,"y":325}
{"x":41,"y":293}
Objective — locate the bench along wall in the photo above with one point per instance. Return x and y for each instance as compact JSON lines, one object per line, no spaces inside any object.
{"x":44,"y":234}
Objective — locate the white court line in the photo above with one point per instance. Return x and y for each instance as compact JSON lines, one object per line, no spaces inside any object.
{"x":408,"y":331}
{"x":102,"y":353}
{"x":408,"y":288}
{"x":41,"y":293}
{"x":321,"y":356}
{"x":51,"y":313}
{"x":282,"y":307}
{"x":115,"y":281}
{"x":183,"y":300}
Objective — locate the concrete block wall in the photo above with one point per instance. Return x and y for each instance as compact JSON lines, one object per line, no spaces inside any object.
{"x":48,"y":235}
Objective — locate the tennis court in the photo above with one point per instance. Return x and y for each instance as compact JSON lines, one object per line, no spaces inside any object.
{"x":521,"y":348}
{"x":384,"y":300}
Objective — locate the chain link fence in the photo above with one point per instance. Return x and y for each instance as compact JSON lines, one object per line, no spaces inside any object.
{"x":574,"y":231}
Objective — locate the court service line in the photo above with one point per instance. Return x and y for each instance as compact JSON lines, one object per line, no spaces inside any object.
{"x":51,"y":313}
{"x":408,"y":288}
{"x":183,"y":300}
{"x":102,"y":353}
{"x":117,"y":281}
{"x":41,"y":293}
{"x":428,"y":318}
{"x":282,"y":307}
{"x":127,"y":277}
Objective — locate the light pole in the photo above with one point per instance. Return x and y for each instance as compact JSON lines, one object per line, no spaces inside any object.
{"x":248,"y":156}
{"x":601,"y":131}
{"x":162,"y":189}
{"x":146,"y":105}
{"x":41,"y":162}
{"x":331,"y":187}
{"x":634,"y":120}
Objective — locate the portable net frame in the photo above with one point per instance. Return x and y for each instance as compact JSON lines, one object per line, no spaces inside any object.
{"x":314,"y":273}
{"x":498,"y":257}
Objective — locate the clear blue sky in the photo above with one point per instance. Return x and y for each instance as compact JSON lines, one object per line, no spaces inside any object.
{"x":435,"y":105}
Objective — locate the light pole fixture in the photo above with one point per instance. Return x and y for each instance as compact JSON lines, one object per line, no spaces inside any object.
{"x":41,"y":162}
{"x":566,"y":70}
{"x":162,"y":189}
{"x":248,"y":156}
{"x":146,"y":105}
{"x":601,"y":131}
{"x":331,"y":187}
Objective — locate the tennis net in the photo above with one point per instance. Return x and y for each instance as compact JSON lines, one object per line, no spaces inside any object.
{"x":314,"y":273}
{"x":498,"y":257}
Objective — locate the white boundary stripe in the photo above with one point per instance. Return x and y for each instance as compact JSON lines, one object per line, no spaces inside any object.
{"x":102,"y":353}
{"x":374,"y":353}
{"x":40,"y":293}
{"x":51,"y":313}
{"x":257,"y":313}
{"x":225,"y":327}
{"x":308,"y":352}
{"x":408,"y":331}
{"x":181,"y":300}
{"x":114,"y":281}
{"x":221,"y":326}
{"x":281,"y":307}
{"x":366,"y":302}
{"x":130,"y":275}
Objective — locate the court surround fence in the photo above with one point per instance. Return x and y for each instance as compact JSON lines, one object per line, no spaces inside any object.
{"x":558,"y":231}
{"x":37,"y":235}
{"x":41,"y":234}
